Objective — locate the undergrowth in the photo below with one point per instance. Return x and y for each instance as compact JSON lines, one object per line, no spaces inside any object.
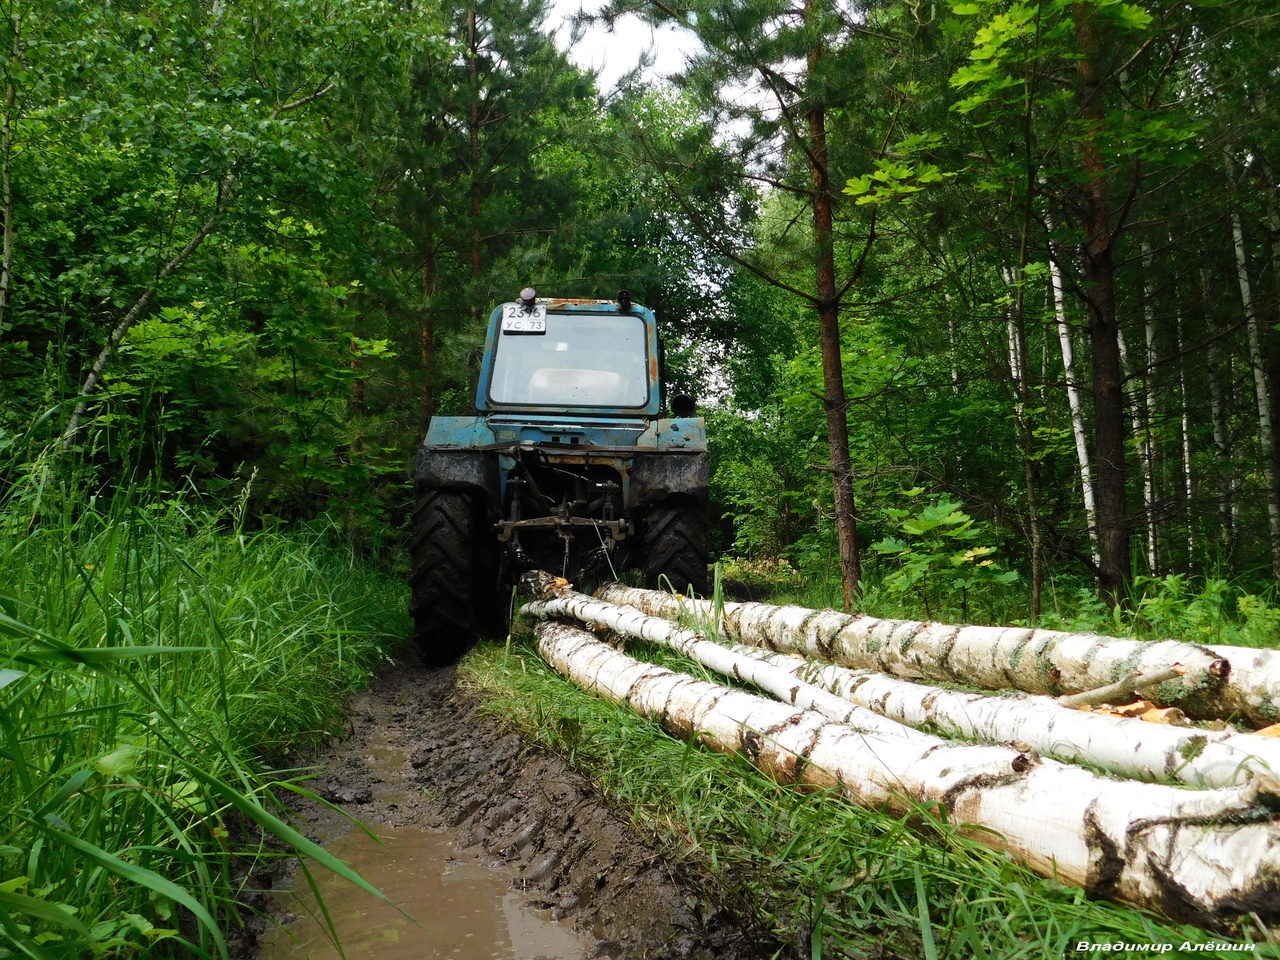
{"x":153,"y":658}
{"x":825,"y":878}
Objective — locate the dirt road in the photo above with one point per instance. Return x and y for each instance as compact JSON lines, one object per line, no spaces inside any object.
{"x":419,"y":755}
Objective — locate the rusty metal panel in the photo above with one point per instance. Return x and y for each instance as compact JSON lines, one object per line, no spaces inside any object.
{"x":566,"y":428}
{"x":678,"y":433}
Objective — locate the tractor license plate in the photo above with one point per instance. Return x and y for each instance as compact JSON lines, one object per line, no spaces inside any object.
{"x":517,"y":318}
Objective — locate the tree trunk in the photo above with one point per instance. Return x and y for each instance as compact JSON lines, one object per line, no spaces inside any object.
{"x":427,"y":338}
{"x":1019,"y":373}
{"x":1147,"y":411}
{"x":834,"y":400}
{"x":473,"y":132}
{"x":1218,"y":378}
{"x":992,"y":658}
{"x":1138,"y":425}
{"x":953,"y":339}
{"x":1253,"y":689}
{"x":1098,"y":280}
{"x":1261,"y":388}
{"x":1073,"y":403}
{"x":1186,"y":852}
{"x":1273,"y":220}
{"x":737,"y":663}
{"x":1184,"y":438}
{"x":6,"y":169}
{"x":874,"y":703}
{"x":1127,"y":747}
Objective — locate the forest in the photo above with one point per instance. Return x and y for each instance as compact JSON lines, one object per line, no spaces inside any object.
{"x":980,"y":300}
{"x":1014,"y":263}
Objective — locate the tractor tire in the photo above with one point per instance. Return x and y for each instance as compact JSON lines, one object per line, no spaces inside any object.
{"x":676,"y":534}
{"x":444,"y":582}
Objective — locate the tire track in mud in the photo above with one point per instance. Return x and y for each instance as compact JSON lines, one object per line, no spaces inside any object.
{"x":419,"y":754}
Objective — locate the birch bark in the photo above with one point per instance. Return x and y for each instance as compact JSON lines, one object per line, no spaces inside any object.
{"x":1140,"y":443}
{"x":736,"y":663}
{"x":1253,"y":689}
{"x":1184,"y":437}
{"x":1124,"y":746}
{"x":1262,"y":390}
{"x":993,"y":658}
{"x":1073,"y":402}
{"x":1146,"y":437}
{"x":874,"y":703}
{"x":1218,"y":418}
{"x":1019,"y":374}
{"x":1196,"y":855}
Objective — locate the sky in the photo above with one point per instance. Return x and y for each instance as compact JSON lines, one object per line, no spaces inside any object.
{"x":617,"y":52}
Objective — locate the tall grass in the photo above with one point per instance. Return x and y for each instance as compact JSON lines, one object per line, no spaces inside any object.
{"x":825,"y":877}
{"x":153,"y":657}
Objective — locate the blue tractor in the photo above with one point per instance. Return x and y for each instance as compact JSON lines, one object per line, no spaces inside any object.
{"x":570,"y":466}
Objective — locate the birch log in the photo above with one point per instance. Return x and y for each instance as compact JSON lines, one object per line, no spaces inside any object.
{"x":782,"y":684}
{"x":1198,"y":855}
{"x":1126,"y":747}
{"x":1253,"y":688}
{"x":993,"y":658}
{"x":873,"y":702}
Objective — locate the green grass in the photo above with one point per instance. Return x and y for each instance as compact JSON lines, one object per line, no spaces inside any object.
{"x":155,"y":660}
{"x":825,"y":877}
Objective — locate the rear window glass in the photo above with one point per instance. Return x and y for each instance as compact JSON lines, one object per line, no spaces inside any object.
{"x":581,"y":360}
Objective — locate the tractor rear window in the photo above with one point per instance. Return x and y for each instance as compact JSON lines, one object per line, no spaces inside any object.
{"x":582,"y":360}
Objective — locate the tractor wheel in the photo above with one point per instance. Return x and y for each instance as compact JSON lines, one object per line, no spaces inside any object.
{"x":676,"y":551}
{"x":444,"y":582}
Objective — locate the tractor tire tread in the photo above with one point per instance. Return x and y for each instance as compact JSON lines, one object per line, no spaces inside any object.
{"x":676,"y":548}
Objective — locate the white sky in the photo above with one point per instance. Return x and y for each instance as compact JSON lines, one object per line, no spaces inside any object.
{"x":617,"y":52}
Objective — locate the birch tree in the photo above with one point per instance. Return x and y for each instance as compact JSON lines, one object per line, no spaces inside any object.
{"x":1261,"y":385}
{"x":1066,"y":344}
{"x":1128,"y":747}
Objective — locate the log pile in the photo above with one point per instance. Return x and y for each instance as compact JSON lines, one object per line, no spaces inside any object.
{"x":995,"y":658}
{"x":846,"y":710}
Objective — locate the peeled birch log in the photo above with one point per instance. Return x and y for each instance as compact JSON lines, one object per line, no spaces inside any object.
{"x":1035,"y":661}
{"x":1200,"y":856}
{"x":1125,"y":747}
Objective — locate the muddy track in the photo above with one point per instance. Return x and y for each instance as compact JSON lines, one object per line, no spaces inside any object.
{"x":419,"y":754}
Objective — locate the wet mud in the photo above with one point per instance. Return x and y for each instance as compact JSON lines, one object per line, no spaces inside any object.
{"x":493,"y":849}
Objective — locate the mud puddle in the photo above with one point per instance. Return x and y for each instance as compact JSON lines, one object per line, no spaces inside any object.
{"x":497,"y":850}
{"x":451,"y":905}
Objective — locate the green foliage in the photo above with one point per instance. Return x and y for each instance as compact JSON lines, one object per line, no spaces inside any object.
{"x":761,"y":476}
{"x":1209,"y":611}
{"x":152,"y":654}
{"x":893,"y":181}
{"x":940,"y":558}
{"x":192,"y":159}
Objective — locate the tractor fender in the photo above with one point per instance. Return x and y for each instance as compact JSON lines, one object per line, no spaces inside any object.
{"x":452,"y":457}
{"x":658,"y":476}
